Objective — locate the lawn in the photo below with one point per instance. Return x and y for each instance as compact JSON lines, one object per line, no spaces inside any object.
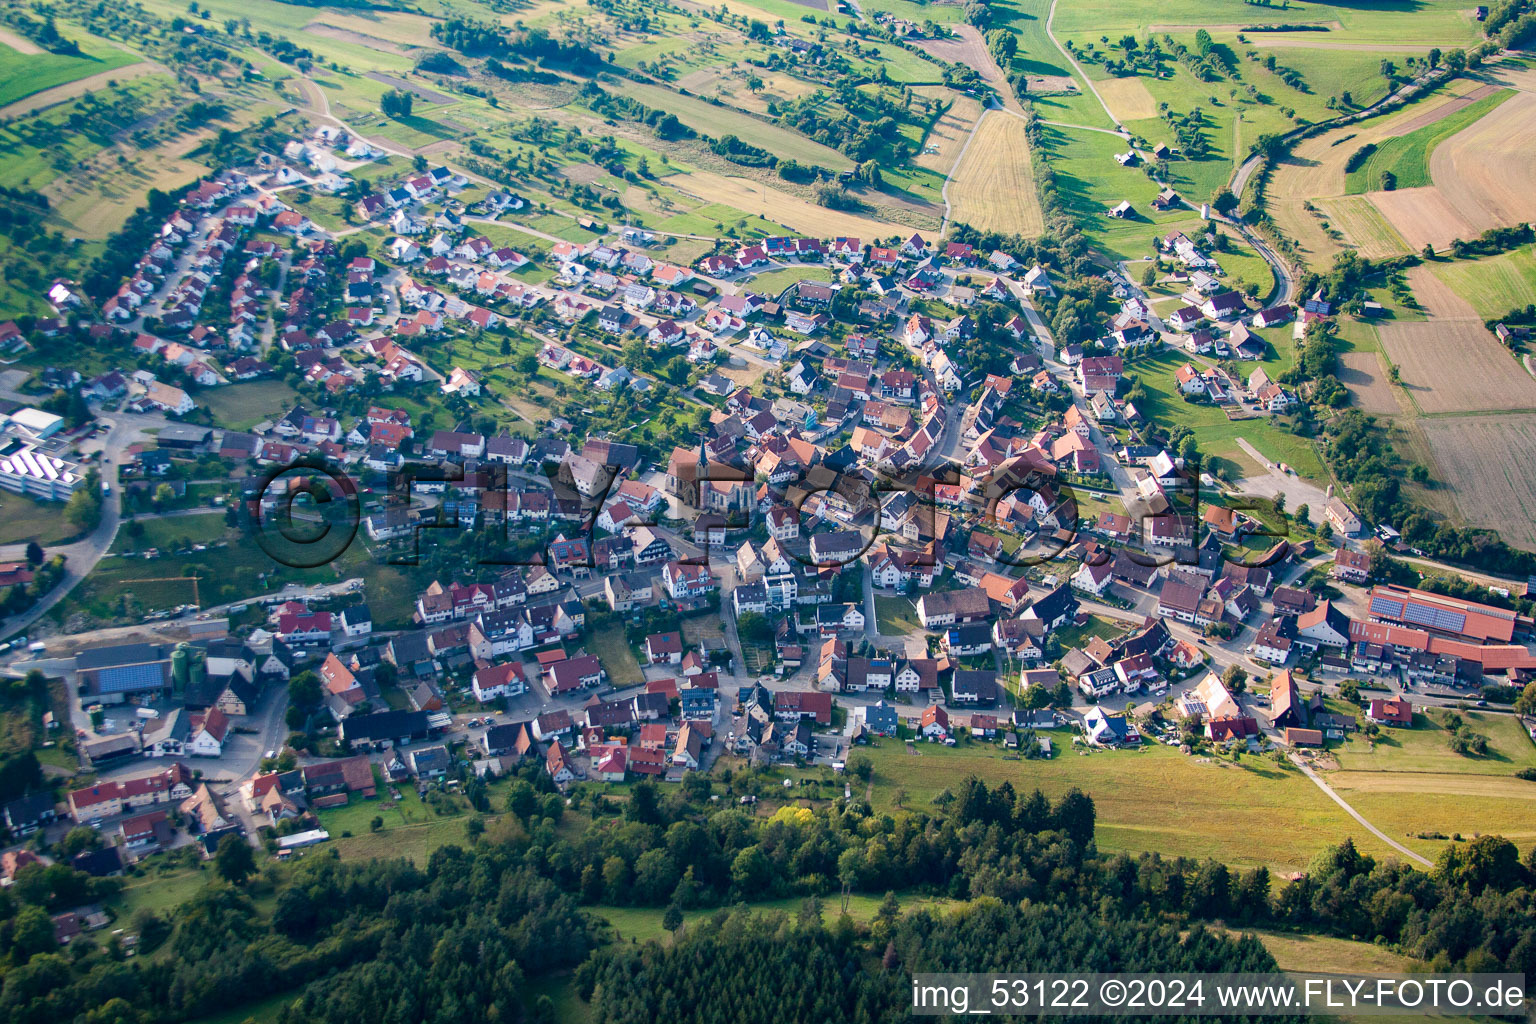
{"x":1494,"y":285}
{"x":613,"y":650}
{"x":242,"y":406}
{"x":895,"y":616}
{"x":413,"y":842}
{"x":1155,"y":799}
{"x":1426,"y":747}
{"x":773,"y":282}
{"x":1215,"y":433}
{"x":1407,"y":156}
{"x":173,"y":532}
{"x":23,"y":519}
{"x":158,"y":891}
{"x":357,"y":815}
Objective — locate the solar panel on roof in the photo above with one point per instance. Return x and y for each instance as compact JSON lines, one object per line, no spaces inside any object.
{"x":1387,"y":606}
{"x":130,"y":677}
{"x":1435,"y":617}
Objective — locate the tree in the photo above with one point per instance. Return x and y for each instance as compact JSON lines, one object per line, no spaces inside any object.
{"x":1434,"y":57}
{"x":34,"y":553}
{"x":1235,"y":678}
{"x":164,"y":495}
{"x":83,"y":511}
{"x":1525,"y":704}
{"x":1224,"y":201}
{"x":1149,"y":276}
{"x":235,"y":862}
{"x":1388,"y":69}
{"x":672,"y":920}
{"x":1349,"y":690}
{"x":420,"y":163}
{"x":1388,"y":181}
{"x":1304,"y":514}
{"x":754,"y":83}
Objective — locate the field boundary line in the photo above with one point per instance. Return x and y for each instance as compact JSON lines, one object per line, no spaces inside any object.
{"x":944,"y":192}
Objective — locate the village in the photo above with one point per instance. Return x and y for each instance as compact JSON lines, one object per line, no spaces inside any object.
{"x":891,"y":552}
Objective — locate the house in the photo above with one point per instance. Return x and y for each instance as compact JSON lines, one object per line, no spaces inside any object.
{"x":1224,"y":306}
{"x":1351,"y":566}
{"x":1185,"y":317}
{"x":934,"y":723}
{"x":1390,"y":711}
{"x":208,"y":732}
{"x":493,"y":681}
{"x":1324,"y":625}
{"x":1341,"y":518}
{"x":1107,"y":730}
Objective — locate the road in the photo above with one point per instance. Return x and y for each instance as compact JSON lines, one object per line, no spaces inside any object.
{"x":81,"y":556}
{"x":1306,"y":770}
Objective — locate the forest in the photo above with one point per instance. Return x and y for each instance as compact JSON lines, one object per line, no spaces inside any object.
{"x":388,"y":941}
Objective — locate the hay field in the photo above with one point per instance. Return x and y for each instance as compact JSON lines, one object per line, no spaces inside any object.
{"x":1128,"y":98}
{"x":1407,"y":155}
{"x":949,"y":134}
{"x":712,"y":120}
{"x":1154,"y":799}
{"x":1363,"y":224}
{"x":1485,"y":461}
{"x":793,"y":212}
{"x":993,"y":188}
{"x":1362,"y":373}
{"x":1494,"y":285}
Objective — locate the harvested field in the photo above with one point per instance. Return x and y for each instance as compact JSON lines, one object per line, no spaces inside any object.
{"x":1364,"y":225}
{"x":1429,"y":117}
{"x":1485,"y":460}
{"x":430,"y":95}
{"x":818,"y":5}
{"x":1128,"y":98}
{"x":793,"y":212}
{"x":20,"y":43}
{"x":1362,"y":373}
{"x":1423,"y":216}
{"x":1451,"y":362}
{"x":391,"y":26}
{"x":1406,"y":156}
{"x":966,"y":47}
{"x":346,"y":35}
{"x":73,"y":90}
{"x":993,"y":188}
{"x":948,"y":136}
{"x":1314,"y":170}
{"x":1487,"y":172}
